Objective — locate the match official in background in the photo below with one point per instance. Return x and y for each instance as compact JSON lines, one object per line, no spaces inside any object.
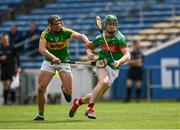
{"x":53,"y":45}
{"x":135,"y":72}
{"x":10,"y":66}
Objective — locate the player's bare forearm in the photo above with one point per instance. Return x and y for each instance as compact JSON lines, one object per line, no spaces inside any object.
{"x":43,"y":51}
{"x":55,"y":60}
{"x":82,"y":37}
{"x":123,"y":59}
{"x":85,"y":39}
{"x":46,"y":53}
{"x":126,"y":57}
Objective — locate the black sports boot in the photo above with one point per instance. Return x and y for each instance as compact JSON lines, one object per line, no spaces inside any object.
{"x":66,"y":96}
{"x":38,"y":118}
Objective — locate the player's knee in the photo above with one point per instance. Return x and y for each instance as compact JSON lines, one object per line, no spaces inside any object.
{"x":41,"y":88}
{"x":67,"y":89}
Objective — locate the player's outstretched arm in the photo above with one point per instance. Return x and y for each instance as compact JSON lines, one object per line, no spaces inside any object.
{"x":82,"y":37}
{"x":125,"y":57}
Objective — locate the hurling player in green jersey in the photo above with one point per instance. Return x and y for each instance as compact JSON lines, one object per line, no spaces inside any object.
{"x":106,"y":76}
{"x":53,"y":46}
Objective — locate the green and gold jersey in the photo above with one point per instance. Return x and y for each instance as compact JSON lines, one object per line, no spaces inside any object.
{"x":57,"y":43}
{"x":115,"y":42}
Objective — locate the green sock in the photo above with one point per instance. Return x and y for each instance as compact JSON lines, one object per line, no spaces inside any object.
{"x":41,"y":113}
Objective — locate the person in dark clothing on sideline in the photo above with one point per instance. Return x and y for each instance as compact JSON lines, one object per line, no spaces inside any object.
{"x":135,"y":72}
{"x":10,"y":65}
{"x":16,"y":37}
{"x":31,"y":34}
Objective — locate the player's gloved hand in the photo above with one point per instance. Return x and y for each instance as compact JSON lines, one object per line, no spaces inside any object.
{"x":55,"y":61}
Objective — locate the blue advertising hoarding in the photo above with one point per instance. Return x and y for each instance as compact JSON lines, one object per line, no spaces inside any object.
{"x":161,"y":74}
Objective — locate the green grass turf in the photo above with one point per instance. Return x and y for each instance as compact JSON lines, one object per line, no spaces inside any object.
{"x":110,"y":115}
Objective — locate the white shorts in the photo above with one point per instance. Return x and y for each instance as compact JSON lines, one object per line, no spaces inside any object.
{"x":112,"y":74}
{"x":46,"y":66}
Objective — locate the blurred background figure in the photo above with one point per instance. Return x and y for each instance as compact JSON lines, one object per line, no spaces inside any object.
{"x":10,"y":65}
{"x":31,"y":34}
{"x":135,"y":72}
{"x":15,"y":37}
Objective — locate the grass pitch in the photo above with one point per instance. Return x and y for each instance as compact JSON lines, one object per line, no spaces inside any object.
{"x":110,"y":115}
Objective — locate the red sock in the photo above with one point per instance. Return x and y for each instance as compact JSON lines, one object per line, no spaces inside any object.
{"x":80,"y":101}
{"x":91,"y":105}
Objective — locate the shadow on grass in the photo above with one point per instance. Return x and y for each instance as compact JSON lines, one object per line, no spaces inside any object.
{"x":46,"y":121}
{"x":61,"y":121}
